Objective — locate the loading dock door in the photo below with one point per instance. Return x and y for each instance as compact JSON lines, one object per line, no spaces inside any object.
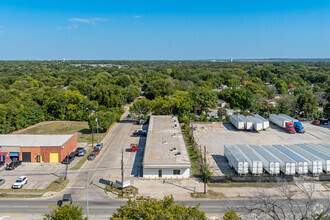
{"x":53,"y":157}
{"x":26,"y":156}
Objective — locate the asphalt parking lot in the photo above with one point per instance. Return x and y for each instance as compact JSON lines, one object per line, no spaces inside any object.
{"x":214,"y":136}
{"x":39,"y":175}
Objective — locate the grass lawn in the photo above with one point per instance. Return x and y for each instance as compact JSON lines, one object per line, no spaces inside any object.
{"x":63,"y":127}
{"x":195,"y":167}
{"x":209,"y":195}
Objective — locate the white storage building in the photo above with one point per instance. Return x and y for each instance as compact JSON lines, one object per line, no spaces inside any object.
{"x":165,"y":155}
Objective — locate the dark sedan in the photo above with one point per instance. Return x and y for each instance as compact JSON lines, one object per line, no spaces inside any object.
{"x":91,"y":156}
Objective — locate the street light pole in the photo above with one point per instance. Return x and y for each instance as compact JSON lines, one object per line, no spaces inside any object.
{"x":87,"y":183}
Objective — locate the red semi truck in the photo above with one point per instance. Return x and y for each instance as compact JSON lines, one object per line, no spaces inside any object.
{"x":282,"y":122}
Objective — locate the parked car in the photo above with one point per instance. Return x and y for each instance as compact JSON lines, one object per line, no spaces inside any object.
{"x":96,"y":151}
{"x":12,"y":165}
{"x":66,"y":200}
{"x":129,"y":115}
{"x":2,"y":181}
{"x":91,"y":156}
{"x":99,"y":145}
{"x":79,"y":149}
{"x":68,"y":160}
{"x":324,"y":121}
{"x":316,"y":122}
{"x":140,"y":132}
{"x":73,"y":154}
{"x":20,"y":182}
{"x":82,"y":153}
{"x":134,"y":147}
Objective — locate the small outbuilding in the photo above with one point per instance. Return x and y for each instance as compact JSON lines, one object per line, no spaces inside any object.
{"x":36,"y":148}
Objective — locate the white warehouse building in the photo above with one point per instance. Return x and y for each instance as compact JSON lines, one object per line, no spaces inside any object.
{"x":165,"y":155}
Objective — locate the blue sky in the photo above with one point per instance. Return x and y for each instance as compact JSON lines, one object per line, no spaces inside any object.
{"x":151,"y":30}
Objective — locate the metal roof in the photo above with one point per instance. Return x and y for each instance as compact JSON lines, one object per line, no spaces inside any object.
{"x":164,"y":142}
{"x":264,"y":153}
{"x":290,"y":153}
{"x":32,"y":140}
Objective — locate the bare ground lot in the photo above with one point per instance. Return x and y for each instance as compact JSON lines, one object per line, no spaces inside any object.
{"x":214,"y":136}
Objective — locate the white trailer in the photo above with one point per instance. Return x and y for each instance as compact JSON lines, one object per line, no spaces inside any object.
{"x":320,"y":148}
{"x":301,"y":163}
{"x":264,"y":121}
{"x":325,"y":158}
{"x":257,"y":124}
{"x":288,"y":165}
{"x":288,"y":118}
{"x":255,"y":163}
{"x":237,"y":122}
{"x":278,"y":120}
{"x":315,"y":165}
{"x":248,"y":124}
{"x":270,"y":163}
{"x":236,"y":160}
{"x":325,"y":145}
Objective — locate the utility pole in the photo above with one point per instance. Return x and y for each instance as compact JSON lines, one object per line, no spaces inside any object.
{"x":122,"y":172}
{"x":92,"y":137}
{"x":97,"y":129}
{"x":204,"y":169}
{"x":67,"y":164}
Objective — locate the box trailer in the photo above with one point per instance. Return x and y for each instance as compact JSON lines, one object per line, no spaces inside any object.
{"x":325,"y":158}
{"x":287,"y":164}
{"x":255,"y":163}
{"x":282,"y":122}
{"x":248,"y":124}
{"x":236,"y":160}
{"x":325,"y":145}
{"x":264,"y":121}
{"x":296,"y":123}
{"x":237,"y":122}
{"x":315,"y":165}
{"x":270,"y":163}
{"x":257,"y":124}
{"x":320,"y":148}
{"x":301,"y":163}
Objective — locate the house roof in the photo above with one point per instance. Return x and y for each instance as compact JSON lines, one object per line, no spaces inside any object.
{"x":31,"y":140}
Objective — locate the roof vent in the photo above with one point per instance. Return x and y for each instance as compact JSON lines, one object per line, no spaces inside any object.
{"x":173,"y":135}
{"x":173,"y":149}
{"x":165,"y":142}
{"x":177,"y":154}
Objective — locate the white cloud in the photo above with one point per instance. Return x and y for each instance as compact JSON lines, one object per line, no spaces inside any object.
{"x":92,"y":21}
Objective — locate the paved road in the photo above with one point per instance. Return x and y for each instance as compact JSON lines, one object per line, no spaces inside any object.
{"x":105,"y":167}
{"x":27,"y":209}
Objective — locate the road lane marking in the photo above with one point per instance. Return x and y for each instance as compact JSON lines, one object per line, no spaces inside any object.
{"x":11,"y":214}
{"x":76,"y":187}
{"x":238,"y":213}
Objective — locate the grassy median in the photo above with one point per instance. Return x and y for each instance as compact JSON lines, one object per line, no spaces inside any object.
{"x":83,"y":160}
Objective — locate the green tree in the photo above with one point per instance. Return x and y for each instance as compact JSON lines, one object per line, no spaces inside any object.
{"x":161,"y":209}
{"x":202,"y":99}
{"x":281,"y":86}
{"x":159,"y":88}
{"x":231,"y":215}
{"x":222,"y":113}
{"x":67,"y":212}
{"x":163,"y":105}
{"x":307,"y":104}
{"x":239,"y":98}
{"x":141,"y":108}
